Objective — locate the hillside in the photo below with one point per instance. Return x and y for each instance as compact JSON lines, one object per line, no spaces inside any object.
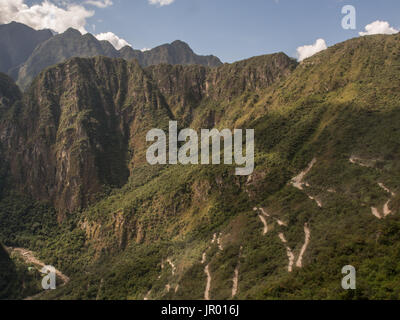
{"x":82,"y":127}
{"x":17,"y":42}
{"x":72,"y":43}
{"x":17,"y":281}
{"x":325,"y":192}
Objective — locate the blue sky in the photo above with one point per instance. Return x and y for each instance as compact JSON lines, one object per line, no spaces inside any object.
{"x":231,"y":29}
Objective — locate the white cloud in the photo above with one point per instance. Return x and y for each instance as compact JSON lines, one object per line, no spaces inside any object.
{"x":57,"y":17}
{"x":161,"y":2}
{"x":116,"y":41}
{"x":45,"y":15}
{"x":305,"y":52}
{"x":378,"y":27}
{"x":100,"y":3}
{"x":145,"y":49}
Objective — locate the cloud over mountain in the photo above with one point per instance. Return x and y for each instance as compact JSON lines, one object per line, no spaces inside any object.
{"x":57,"y":16}
{"x":307,"y":51}
{"x":46,"y":15}
{"x":378,"y":27}
{"x":116,"y":41}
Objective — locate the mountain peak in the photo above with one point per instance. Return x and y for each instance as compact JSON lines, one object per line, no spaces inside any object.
{"x":14,"y":24}
{"x":72,"y":31}
{"x":17,"y":42}
{"x":179,"y":43}
{"x":72,"y":43}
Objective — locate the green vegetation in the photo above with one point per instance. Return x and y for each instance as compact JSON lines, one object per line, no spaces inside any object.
{"x":124,"y":230}
{"x":17,"y":280}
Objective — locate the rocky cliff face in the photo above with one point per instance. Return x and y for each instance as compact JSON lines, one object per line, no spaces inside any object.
{"x":186,"y":88}
{"x":80,"y":127}
{"x":82,"y":124}
{"x":10,"y":95}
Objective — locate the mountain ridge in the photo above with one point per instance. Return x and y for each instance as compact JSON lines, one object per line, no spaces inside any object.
{"x":327,"y":154}
{"x":42,"y":49}
{"x":56,"y":118}
{"x":17,"y":42}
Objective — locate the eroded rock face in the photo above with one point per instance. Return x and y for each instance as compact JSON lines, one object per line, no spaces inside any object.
{"x":185,"y":88}
{"x":82,"y":125}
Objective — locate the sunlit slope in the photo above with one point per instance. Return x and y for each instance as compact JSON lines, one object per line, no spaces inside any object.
{"x":325,"y":192}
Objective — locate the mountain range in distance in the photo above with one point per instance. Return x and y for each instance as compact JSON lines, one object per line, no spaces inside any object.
{"x":25,"y":52}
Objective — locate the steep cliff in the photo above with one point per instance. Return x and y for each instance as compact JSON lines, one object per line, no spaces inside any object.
{"x":82,"y":124}
{"x":324,"y":192}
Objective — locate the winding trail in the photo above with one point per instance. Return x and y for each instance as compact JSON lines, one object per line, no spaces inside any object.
{"x":264,"y":222}
{"x":386,"y":210}
{"x":263,"y":219}
{"x":219,"y":242}
{"x":235,"y":282}
{"x":376,"y":213}
{"x":281,"y":223}
{"x":288,"y":251}
{"x":386,"y":189}
{"x":236,"y":276}
{"x":264,"y":215}
{"x":204,"y":258}
{"x":208,"y":285}
{"x":319,"y":203}
{"x":29,"y":258}
{"x":172,"y":266}
{"x":307,"y":232}
{"x":358,"y":161}
{"x":147,"y":296}
{"x":263,"y":212}
{"x":297,"y":181}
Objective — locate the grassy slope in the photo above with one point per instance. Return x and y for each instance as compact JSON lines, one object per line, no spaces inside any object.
{"x":340,"y":103}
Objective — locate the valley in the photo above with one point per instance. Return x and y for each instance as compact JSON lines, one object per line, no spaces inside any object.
{"x":77,"y":190}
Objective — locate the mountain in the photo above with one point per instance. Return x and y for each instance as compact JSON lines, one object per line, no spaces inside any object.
{"x":178,"y":52}
{"x":59,"y":48}
{"x":9,"y":92}
{"x":17,"y":42}
{"x":72,"y":43}
{"x":86,"y":121}
{"x":324,"y":193}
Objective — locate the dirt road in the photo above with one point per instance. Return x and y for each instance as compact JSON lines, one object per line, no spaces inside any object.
{"x":29,"y":258}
